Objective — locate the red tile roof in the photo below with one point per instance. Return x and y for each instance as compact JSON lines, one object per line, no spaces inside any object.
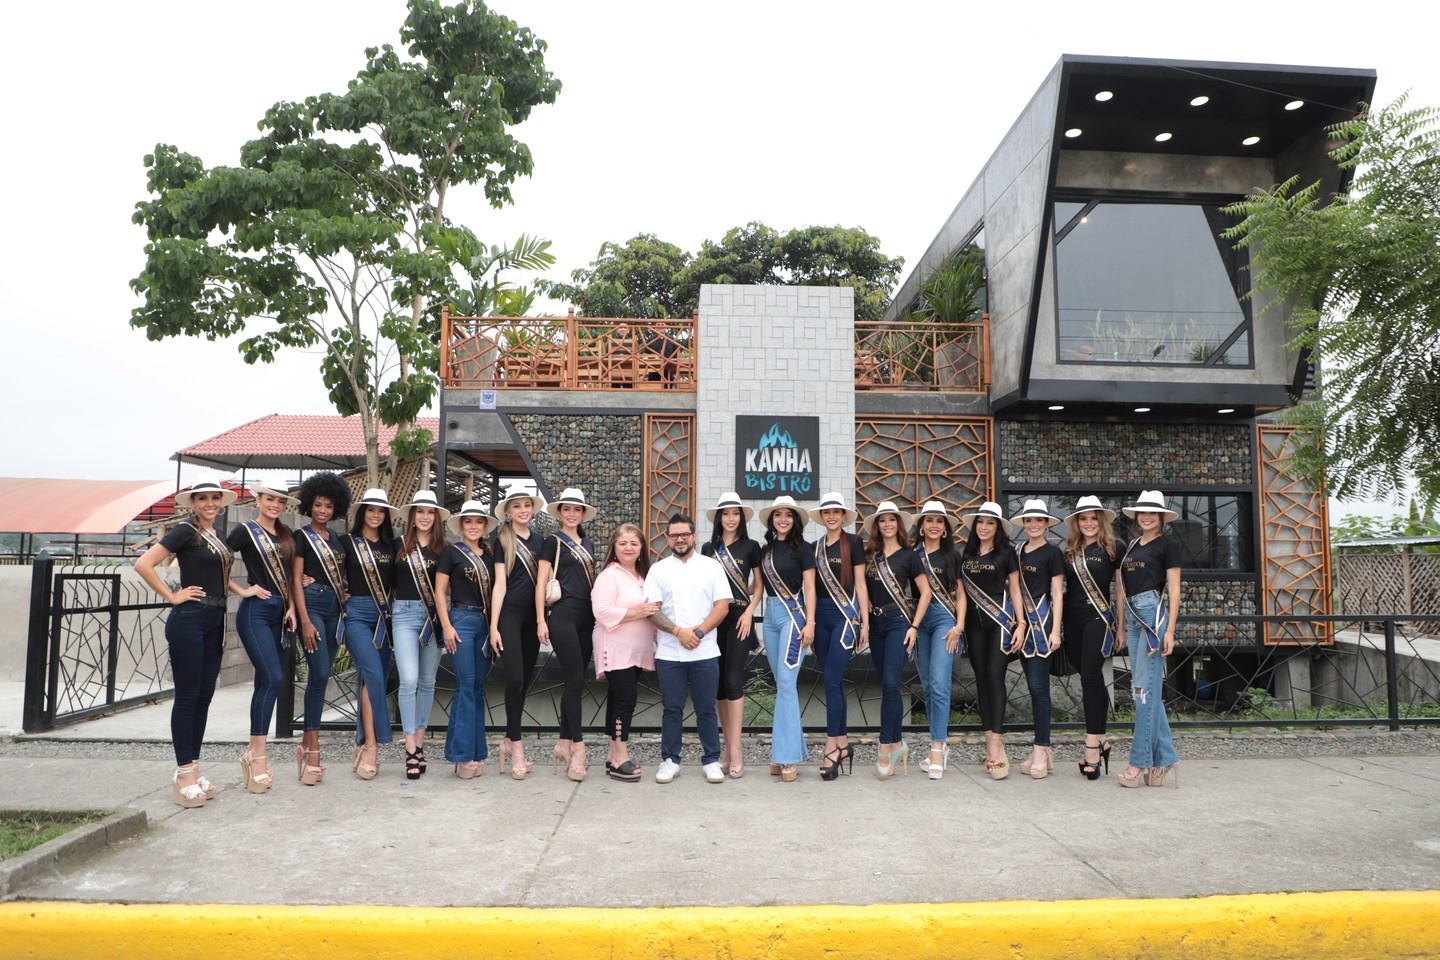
{"x":292,"y":440}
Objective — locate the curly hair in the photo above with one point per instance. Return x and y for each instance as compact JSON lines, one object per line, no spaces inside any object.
{"x":329,"y":486}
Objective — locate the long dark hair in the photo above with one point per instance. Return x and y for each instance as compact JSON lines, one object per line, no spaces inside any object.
{"x":717,"y":533}
{"x":875,"y":546}
{"x":642,"y":562}
{"x":357,"y":522}
{"x":792,"y":544}
{"x":412,"y":536}
{"x":972,"y":542}
{"x":947,"y":550}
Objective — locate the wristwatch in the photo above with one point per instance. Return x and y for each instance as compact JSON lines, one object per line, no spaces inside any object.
{"x":699,"y":634}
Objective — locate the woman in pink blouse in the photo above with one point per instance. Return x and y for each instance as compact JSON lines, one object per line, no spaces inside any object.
{"x":624,"y":640}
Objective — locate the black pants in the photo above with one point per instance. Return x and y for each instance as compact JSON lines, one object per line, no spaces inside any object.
{"x":517,"y":661}
{"x":196,"y":635}
{"x":620,"y":704}
{"x":734,"y":654}
{"x":983,"y":639}
{"x":572,"y":637}
{"x":1084,"y":635}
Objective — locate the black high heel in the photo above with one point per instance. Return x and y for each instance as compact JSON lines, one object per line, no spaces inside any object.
{"x":831,"y":771}
{"x":412,"y":765}
{"x":420,"y":755}
{"x":1105,"y":755}
{"x":1091,"y":771}
{"x":846,"y":752}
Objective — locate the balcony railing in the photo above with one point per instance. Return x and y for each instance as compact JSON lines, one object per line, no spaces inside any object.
{"x":922,"y":355}
{"x":567,"y":353}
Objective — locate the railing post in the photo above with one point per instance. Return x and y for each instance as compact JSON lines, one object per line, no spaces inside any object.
{"x":112,"y":646}
{"x":285,"y":702}
{"x":38,"y":643}
{"x":444,"y":346}
{"x":1392,"y":676}
{"x":571,"y":374}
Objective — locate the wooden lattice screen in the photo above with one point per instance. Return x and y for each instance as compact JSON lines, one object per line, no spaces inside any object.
{"x":1294,"y":544}
{"x":914,"y":459}
{"x":669,"y":473}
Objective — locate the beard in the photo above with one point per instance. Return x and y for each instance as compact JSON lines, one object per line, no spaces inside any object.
{"x":682,"y":548}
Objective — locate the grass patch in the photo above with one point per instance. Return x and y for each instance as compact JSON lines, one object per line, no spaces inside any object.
{"x":29,"y":830}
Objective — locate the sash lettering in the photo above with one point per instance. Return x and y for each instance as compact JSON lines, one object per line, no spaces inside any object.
{"x":738,"y":587}
{"x":371,"y":568}
{"x":791,"y":601}
{"x":1037,"y":619}
{"x":1002,"y":613}
{"x":415,"y":560}
{"x":331,"y":565}
{"x":1153,"y":631}
{"x":1096,"y":598}
{"x":847,"y":602}
{"x":270,"y":557}
{"x":581,"y":555}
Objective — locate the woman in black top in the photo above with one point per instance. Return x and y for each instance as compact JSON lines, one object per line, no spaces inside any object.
{"x":730,"y":544}
{"x":1042,"y":585}
{"x":513,"y":628}
{"x":464,"y":582}
{"x":413,"y":623}
{"x":319,"y":565}
{"x":842,"y":626}
{"x":899,"y":596}
{"x":1094,"y":628}
{"x":370,"y":578}
{"x":1150,"y":572}
{"x":940,"y":630}
{"x":991,"y":578}
{"x":787,"y":567}
{"x":568,"y":625}
{"x":265,"y":616}
{"x":195,"y":626}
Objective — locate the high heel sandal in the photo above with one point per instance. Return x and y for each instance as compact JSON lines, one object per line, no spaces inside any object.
{"x":847,"y":756}
{"x":830,"y":771}
{"x":254,"y":782}
{"x":1129,"y":779}
{"x":776,"y":770}
{"x":560,"y":755}
{"x":191,"y":795}
{"x":789,"y":772}
{"x":1088,"y":770}
{"x":627,"y":771}
{"x":514,"y":751}
{"x":885,"y":766}
{"x":937,"y":770}
{"x":1046,"y":762}
{"x":469,"y":770}
{"x":310,"y":773}
{"x":998,"y":769}
{"x":575,"y":769}
{"x":205,"y":785}
{"x":1105,"y":755}
{"x":420,"y":756}
{"x":737,"y":770}
{"x":1155,"y":776}
{"x":412,"y":765}
{"x":364,"y":770}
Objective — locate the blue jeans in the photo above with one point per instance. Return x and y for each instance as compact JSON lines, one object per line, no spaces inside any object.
{"x":787,"y":736}
{"x":259,"y":623}
{"x":323,"y":608}
{"x":1037,"y":677}
{"x":371,"y":665}
{"x":465,"y":740}
{"x":1152,"y":745}
{"x":829,"y":623}
{"x":936,"y":669}
{"x":416,"y":665}
{"x":700,"y":678}
{"x":196,"y":636}
{"x":887,"y":654}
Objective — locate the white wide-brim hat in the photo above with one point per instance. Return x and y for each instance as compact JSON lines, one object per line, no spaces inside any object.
{"x":426,"y":498}
{"x":1091,"y":504}
{"x":256,"y":490}
{"x":227,"y":496}
{"x":375,"y":497}
{"x":729,"y":499}
{"x":784,"y":503}
{"x":834,"y":500}
{"x":989,"y":509}
{"x":471,"y":508}
{"x":1036,"y":509}
{"x":502,"y":509}
{"x":1150,"y":501}
{"x":888,"y":506}
{"x":572,"y":495}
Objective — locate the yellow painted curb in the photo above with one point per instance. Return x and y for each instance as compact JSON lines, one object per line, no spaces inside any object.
{"x":1268,"y":926}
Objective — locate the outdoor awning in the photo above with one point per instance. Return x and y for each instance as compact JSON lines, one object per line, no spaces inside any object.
{"x":45,"y":505}
{"x":292,"y":441}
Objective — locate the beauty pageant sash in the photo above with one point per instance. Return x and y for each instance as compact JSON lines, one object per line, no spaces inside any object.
{"x":415,"y":560}
{"x":331,"y":565}
{"x":937,"y":589}
{"x":212,"y":541}
{"x":738,"y":586}
{"x":847,"y":602}
{"x":1153,"y":631}
{"x":1037,"y":618}
{"x":581,"y":555}
{"x":1002,"y":613}
{"x":791,"y":602}
{"x":365,"y":557}
{"x":270,"y":557}
{"x":1096,"y":598}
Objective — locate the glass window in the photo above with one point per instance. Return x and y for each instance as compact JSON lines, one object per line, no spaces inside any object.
{"x":1149,"y":283}
{"x":1214,"y":530}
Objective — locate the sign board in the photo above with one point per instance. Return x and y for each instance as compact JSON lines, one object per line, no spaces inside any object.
{"x":487,"y":399}
{"x":776,"y":455}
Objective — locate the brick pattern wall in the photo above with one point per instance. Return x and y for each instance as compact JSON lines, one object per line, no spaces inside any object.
{"x":600,"y":454}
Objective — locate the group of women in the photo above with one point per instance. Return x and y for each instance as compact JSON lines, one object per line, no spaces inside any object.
{"x":495,"y":590}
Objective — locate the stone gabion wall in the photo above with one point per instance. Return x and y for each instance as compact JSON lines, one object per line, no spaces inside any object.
{"x":1153,"y":455}
{"x":599,"y":453}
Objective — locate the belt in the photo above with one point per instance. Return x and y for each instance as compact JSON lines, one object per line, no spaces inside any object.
{"x":210,"y":601}
{"x":467,"y":606}
{"x":888,"y":608}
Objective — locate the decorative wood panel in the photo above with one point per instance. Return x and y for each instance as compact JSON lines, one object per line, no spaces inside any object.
{"x":914,"y":459}
{"x":1294,"y":544}
{"x":669,"y":473}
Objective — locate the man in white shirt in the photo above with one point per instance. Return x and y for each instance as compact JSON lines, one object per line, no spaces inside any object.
{"x":691,"y":589}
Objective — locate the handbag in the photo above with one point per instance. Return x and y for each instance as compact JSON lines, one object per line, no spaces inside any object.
{"x":552,"y":591}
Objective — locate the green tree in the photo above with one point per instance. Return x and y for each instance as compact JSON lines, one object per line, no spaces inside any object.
{"x":487,"y":295}
{"x":325,"y":234}
{"x":635,"y":279}
{"x":1363,"y":275}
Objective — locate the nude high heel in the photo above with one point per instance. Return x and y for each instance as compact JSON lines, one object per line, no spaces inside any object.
{"x":254,"y":782}
{"x":1155,"y":776}
{"x":191,"y":795}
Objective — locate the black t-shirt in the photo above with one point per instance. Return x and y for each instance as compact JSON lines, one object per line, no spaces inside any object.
{"x":519,"y":585}
{"x":746,"y":554}
{"x":791,"y":565}
{"x":1038,"y":567}
{"x":1146,"y":563}
{"x":991,"y":571}
{"x":464,"y":581}
{"x":201,"y":565}
{"x":256,"y":571}
{"x":947,"y":571}
{"x":566,"y":567}
{"x":313,"y":566}
{"x":832,"y":557}
{"x":355,"y":580}
{"x":405,"y":586}
{"x":905,"y":564}
{"x":1102,"y":570}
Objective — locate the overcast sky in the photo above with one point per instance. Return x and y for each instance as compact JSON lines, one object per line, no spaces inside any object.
{"x":677,"y":119}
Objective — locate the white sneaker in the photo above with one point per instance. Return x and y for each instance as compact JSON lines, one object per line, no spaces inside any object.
{"x":668,"y":770}
{"x":714,"y":772}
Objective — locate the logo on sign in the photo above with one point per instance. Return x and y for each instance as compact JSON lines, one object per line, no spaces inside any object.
{"x":776,"y":455}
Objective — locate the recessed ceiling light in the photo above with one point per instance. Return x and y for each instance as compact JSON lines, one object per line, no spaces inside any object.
{"x":1294,"y":104}
{"x":1073,"y":132}
{"x":1162,"y":137}
{"x":1084,"y":219}
{"x":1250,"y":141}
{"x":1057,"y":406}
{"x":1142,"y":409}
{"x":1199,"y":101}
{"x":1227,"y":409}
{"x":1104,"y":95}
